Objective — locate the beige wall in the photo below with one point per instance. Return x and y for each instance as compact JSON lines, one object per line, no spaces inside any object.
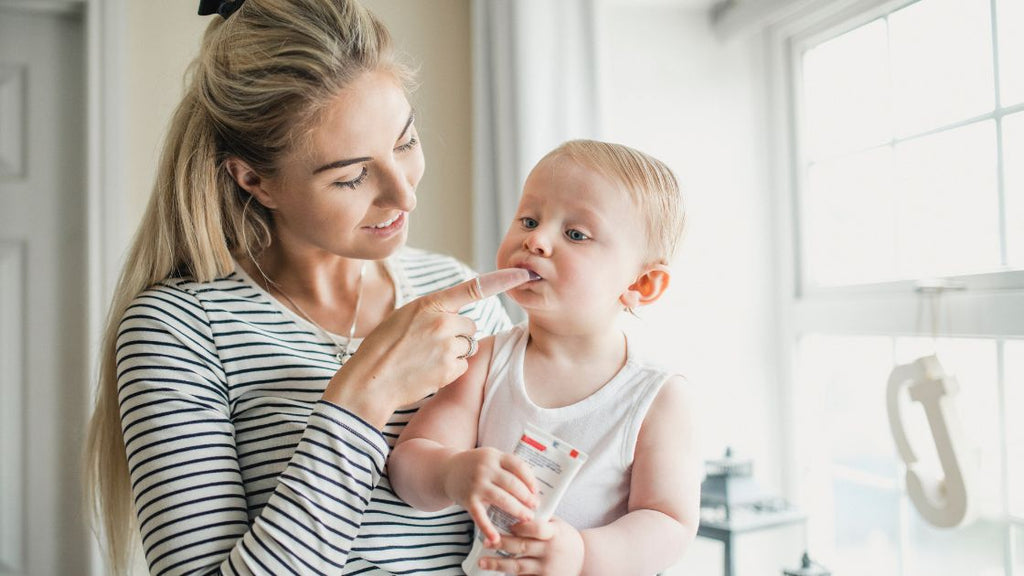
{"x":164,"y":36}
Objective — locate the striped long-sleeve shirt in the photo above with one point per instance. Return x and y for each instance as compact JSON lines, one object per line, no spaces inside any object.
{"x":238,"y":467}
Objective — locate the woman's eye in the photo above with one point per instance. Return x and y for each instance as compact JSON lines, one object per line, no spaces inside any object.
{"x":354,"y":182}
{"x":413,"y":141}
{"x":576,"y":235}
{"x":528,"y":223}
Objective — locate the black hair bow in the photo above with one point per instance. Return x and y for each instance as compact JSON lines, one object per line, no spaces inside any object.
{"x":223,"y":7}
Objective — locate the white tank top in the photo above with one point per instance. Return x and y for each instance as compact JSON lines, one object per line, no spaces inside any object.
{"x":605,"y":425}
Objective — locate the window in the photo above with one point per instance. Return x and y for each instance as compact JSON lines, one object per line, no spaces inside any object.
{"x":903,"y":163}
{"x":905,"y":141}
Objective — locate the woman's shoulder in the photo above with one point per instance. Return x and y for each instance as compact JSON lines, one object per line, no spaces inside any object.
{"x":417,"y":259}
{"x":186,"y":296}
{"x":422,"y":272}
{"x":230,"y":284}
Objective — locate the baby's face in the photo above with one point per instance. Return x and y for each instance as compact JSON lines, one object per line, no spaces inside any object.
{"x":581,"y":233}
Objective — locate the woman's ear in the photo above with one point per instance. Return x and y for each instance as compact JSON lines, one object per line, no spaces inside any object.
{"x":648,"y":287}
{"x":250,"y":181}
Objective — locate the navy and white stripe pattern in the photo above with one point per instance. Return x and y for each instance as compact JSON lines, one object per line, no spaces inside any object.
{"x":238,"y":467}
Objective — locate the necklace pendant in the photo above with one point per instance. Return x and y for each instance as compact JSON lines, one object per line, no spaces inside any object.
{"x":342,"y":357}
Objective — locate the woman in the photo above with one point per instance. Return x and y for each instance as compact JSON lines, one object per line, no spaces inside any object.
{"x":234,"y":430}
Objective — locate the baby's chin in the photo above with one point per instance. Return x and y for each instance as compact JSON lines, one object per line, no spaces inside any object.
{"x":528,"y":297}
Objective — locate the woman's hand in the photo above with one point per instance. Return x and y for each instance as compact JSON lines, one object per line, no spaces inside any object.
{"x":415,"y":351}
{"x":481,"y":477}
{"x":552,"y":548}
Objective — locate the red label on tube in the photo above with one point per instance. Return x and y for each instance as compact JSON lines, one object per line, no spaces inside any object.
{"x":533,"y":443}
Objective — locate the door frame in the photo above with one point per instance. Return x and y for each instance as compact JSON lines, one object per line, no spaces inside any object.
{"x":106,"y":194}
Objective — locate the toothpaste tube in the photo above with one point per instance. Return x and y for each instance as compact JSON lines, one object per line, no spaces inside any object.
{"x":554,"y":463}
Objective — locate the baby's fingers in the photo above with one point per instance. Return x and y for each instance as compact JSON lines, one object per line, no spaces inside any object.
{"x":511,"y":565}
{"x":515,"y":497}
{"x":478,"y":512}
{"x":522,"y":470}
{"x":503,"y":495}
{"x":534,"y":530}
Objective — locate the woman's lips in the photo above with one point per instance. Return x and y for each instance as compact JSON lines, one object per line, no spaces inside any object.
{"x":396,"y":224}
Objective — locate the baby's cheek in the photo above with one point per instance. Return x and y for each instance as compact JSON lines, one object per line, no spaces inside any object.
{"x":504,"y":250}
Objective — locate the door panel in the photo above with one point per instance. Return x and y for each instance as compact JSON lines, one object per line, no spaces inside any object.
{"x":43,"y":342}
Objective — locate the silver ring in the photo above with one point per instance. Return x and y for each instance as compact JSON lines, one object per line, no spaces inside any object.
{"x":473,"y":345}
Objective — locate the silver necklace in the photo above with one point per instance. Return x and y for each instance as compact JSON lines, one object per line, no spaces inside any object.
{"x":344,"y":351}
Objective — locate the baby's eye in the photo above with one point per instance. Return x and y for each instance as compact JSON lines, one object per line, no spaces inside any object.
{"x":576,"y":235}
{"x":528,"y":223}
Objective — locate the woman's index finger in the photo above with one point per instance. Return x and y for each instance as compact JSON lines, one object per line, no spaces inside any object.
{"x":483,"y":286}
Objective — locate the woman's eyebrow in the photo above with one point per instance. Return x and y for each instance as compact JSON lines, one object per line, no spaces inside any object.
{"x":350,"y":161}
{"x":341,"y":164}
{"x":412,"y":118}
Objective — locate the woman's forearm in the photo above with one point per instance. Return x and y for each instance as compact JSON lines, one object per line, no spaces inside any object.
{"x":350,"y":391}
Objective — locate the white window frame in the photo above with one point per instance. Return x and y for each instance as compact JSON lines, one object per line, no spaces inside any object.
{"x":989,"y":305}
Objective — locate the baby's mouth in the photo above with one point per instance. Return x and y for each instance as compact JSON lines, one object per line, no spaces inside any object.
{"x":534,"y":277}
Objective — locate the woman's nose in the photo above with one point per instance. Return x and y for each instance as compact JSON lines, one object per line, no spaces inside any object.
{"x":398,"y":190}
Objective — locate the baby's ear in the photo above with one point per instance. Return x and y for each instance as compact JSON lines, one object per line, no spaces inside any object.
{"x":648,"y":287}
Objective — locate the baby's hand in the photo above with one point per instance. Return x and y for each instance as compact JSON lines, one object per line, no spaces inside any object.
{"x":552,"y":548}
{"x":478,"y":478}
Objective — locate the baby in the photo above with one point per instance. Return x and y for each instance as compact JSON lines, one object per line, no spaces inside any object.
{"x":597,"y":225}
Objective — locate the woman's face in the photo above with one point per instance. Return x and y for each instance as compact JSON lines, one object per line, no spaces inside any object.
{"x":350,"y":190}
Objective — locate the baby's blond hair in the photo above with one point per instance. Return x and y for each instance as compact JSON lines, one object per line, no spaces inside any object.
{"x":650,"y":183}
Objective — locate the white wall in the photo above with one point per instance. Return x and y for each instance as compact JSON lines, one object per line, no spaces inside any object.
{"x":163,"y":37}
{"x":670,"y":87}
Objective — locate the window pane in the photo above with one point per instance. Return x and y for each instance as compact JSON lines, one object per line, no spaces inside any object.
{"x":867,"y":530}
{"x":852,"y":372}
{"x":1010,"y":15}
{"x":977,"y":549}
{"x":1018,"y":556}
{"x":854,"y":439}
{"x":850,"y":214}
{"x":948,"y":206}
{"x":1013,"y":186}
{"x":846,"y":92}
{"x":942,"y":63}
{"x":1013,"y":372}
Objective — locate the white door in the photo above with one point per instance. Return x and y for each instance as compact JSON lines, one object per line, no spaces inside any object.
{"x":43,"y":340}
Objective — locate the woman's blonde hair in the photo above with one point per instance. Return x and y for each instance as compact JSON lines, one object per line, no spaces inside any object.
{"x":261,"y":81}
{"x":650,"y":183}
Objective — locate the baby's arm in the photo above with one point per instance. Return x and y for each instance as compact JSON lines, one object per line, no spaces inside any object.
{"x":434,"y":462}
{"x":664,"y":498}
{"x":664,"y":507}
